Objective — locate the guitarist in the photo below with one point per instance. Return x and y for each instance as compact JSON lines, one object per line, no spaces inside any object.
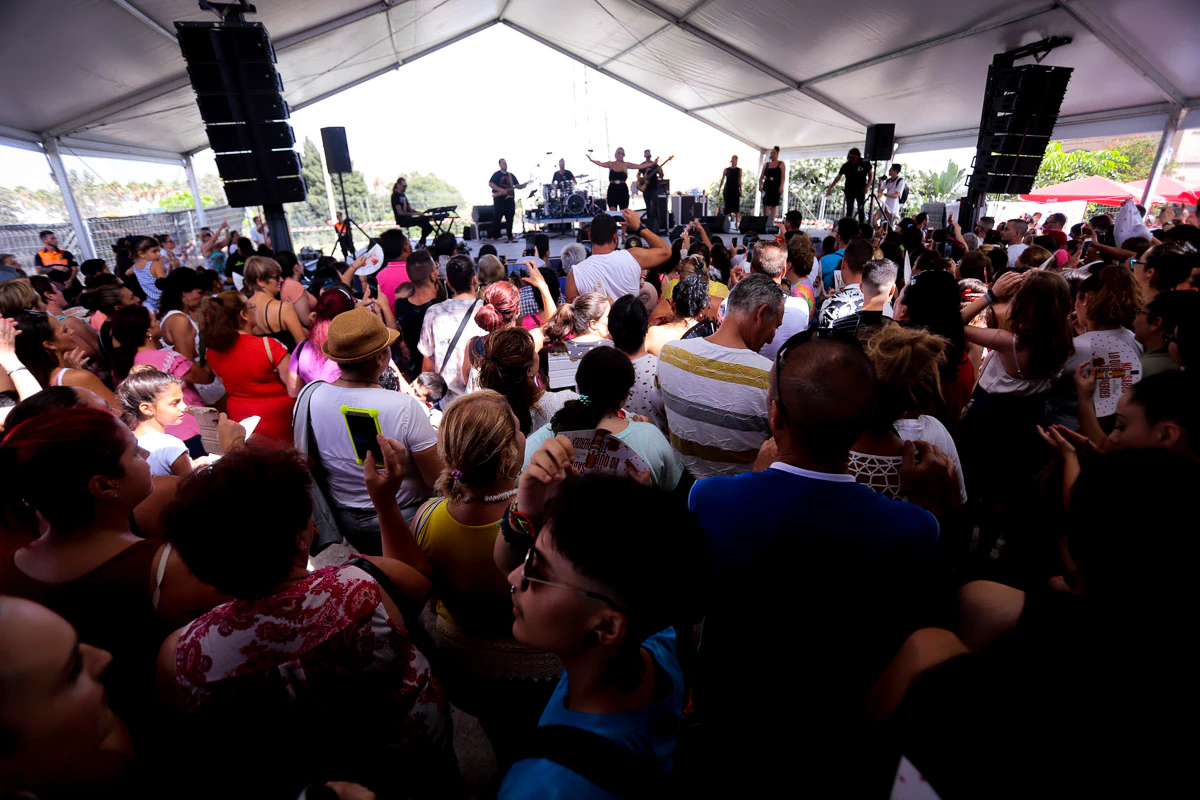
{"x":504,"y":204}
{"x":649,"y":176}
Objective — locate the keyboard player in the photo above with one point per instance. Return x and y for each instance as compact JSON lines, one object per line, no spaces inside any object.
{"x":406,"y":215}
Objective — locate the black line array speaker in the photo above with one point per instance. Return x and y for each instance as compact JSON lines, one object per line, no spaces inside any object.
{"x":231,"y":66}
{"x":337,"y":150}
{"x":881,"y":140}
{"x":1020,"y":108}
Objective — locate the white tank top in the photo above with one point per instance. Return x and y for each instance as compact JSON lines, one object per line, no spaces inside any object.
{"x":195,"y":328}
{"x":994,"y":379}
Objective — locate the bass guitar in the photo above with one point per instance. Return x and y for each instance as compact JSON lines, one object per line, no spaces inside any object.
{"x":641,"y":184}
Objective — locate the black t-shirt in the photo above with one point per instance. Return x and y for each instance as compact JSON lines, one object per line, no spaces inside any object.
{"x":652,"y":174}
{"x":400,"y":204}
{"x":503,"y":180}
{"x":410,"y":318}
{"x":856,"y":175}
{"x":563,"y":175}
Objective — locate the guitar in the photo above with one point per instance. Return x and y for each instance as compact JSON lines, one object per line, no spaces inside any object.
{"x":510,"y":191}
{"x":641,"y":184}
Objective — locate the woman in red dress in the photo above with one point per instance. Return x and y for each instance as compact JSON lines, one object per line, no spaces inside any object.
{"x":253,"y":368}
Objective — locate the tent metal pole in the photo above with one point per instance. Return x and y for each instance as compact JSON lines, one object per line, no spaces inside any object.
{"x":762,"y":162}
{"x":190,"y":169}
{"x":1165,"y":151}
{"x":82,"y":234}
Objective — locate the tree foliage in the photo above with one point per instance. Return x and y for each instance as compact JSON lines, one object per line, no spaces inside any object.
{"x":1128,"y":160}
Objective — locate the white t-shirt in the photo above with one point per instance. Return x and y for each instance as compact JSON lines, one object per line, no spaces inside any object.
{"x":615,"y":274}
{"x":1014,"y":252}
{"x":438,"y":329}
{"x":929,"y":429}
{"x":163,"y":449}
{"x":401,"y":417}
{"x":795,"y":319}
{"x":892,"y":204}
{"x":256,"y":237}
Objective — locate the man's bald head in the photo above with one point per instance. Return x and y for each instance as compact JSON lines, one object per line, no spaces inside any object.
{"x":824,"y":396}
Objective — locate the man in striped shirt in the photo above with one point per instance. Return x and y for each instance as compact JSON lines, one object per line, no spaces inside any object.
{"x":715,"y":389}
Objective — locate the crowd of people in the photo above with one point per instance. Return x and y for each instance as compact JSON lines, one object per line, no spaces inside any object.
{"x":913,"y":476}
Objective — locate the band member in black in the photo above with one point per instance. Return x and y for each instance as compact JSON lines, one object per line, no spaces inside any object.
{"x":618,"y":179}
{"x":562,"y":174}
{"x":652,"y":171}
{"x":730,"y":189}
{"x":406,"y":215}
{"x":504,"y":204}
{"x":770,"y":183}
{"x":859,"y":175}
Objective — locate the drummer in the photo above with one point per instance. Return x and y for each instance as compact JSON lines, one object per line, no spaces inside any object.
{"x":563,"y":175}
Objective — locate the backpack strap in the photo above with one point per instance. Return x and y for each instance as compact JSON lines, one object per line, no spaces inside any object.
{"x":604,"y":762}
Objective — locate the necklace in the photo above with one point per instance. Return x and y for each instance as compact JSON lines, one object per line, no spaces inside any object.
{"x":491,"y":498}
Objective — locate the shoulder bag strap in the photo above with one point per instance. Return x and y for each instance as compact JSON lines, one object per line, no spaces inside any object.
{"x":601,"y":760}
{"x":462,"y":326}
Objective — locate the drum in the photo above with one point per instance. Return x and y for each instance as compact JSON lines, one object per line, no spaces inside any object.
{"x":554,"y":210}
{"x":547,"y":192}
{"x":577,"y":203}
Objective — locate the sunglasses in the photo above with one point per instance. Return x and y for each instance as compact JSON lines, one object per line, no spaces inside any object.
{"x":531,"y":565}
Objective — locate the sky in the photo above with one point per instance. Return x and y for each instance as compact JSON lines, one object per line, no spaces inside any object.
{"x":447,"y":114}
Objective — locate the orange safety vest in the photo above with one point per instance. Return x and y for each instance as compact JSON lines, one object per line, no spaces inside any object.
{"x":52,"y":258}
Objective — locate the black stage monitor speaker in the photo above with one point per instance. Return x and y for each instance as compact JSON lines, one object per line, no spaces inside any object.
{"x":753,"y":224}
{"x":337,"y":150}
{"x":482,"y":215}
{"x":716,"y":223}
{"x":880,"y":142}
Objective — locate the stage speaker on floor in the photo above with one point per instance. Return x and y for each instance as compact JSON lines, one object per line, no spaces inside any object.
{"x":753,"y":224}
{"x":239,"y":93}
{"x":718,"y":223}
{"x":880,"y":142}
{"x":482,"y":215}
{"x":337,"y":150}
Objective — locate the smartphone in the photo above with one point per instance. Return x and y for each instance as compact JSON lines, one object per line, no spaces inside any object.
{"x":1083,"y":253}
{"x":947,"y":250}
{"x":733,"y":241}
{"x":363,"y":426}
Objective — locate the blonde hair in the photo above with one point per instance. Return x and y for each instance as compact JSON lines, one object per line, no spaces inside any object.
{"x":1033,"y":257}
{"x":259,"y":268}
{"x":907,"y":362}
{"x":692,"y":264}
{"x":15,"y":297}
{"x":489,"y":270}
{"x":478,"y":444}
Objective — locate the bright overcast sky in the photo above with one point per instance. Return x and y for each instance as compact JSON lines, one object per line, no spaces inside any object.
{"x":455,"y":112}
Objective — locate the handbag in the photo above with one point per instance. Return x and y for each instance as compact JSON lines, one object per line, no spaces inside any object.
{"x":324,"y":518}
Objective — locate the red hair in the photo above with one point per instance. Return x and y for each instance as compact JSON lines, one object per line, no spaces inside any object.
{"x":331,"y":303}
{"x":49,"y":460}
{"x":502,"y":300}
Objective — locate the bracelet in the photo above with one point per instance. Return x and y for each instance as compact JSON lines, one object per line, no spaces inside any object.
{"x":18,"y":369}
{"x":991,"y":297}
{"x":639,"y":230}
{"x":517,"y":528}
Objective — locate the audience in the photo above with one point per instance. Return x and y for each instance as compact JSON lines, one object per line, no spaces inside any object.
{"x":308,"y":361}
{"x":447,"y":326}
{"x":689,"y":307}
{"x":848,"y":299}
{"x":628,"y":323}
{"x":256,"y":370}
{"x":771,"y":259}
{"x":715,"y":389}
{"x":609,"y":270}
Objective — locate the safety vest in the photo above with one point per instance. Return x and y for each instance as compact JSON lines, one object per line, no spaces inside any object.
{"x":52,"y":258}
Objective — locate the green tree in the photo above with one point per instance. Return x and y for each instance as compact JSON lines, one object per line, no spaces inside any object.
{"x":182,"y":201}
{"x":429,"y":191}
{"x":10,"y":206}
{"x":1059,"y":166}
{"x":936,"y":187}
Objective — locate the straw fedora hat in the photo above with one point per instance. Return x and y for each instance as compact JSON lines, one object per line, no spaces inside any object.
{"x":357,"y":336}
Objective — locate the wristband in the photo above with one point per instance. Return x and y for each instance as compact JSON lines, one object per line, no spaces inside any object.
{"x":638,"y":232}
{"x":517,"y":528}
{"x":991,"y":297}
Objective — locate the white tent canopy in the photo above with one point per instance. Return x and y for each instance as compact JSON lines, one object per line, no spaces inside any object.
{"x":106,"y":77}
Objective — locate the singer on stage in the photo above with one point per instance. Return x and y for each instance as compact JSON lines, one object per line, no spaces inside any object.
{"x":504,"y":203}
{"x":730,"y":188}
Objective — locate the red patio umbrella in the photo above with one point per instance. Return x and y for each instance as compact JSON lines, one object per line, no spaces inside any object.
{"x":1170,"y":189}
{"x":1093,"y":189}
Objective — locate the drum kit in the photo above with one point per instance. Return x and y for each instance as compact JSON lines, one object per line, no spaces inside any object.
{"x":573,"y":198}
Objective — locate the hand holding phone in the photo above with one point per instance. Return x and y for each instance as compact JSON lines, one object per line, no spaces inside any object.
{"x":363,"y":426}
{"x":383,"y":478}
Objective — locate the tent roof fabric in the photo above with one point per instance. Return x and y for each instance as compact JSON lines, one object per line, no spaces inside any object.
{"x":808,"y":78}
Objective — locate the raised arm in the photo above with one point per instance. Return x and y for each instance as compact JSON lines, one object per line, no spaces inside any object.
{"x":605,"y":164}
{"x":402,"y":560}
{"x":655,"y":252}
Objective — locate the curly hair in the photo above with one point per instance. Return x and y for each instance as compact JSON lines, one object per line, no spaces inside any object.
{"x":1117,"y":300}
{"x":507,"y":354}
{"x":266,"y":533}
{"x":221,"y":320}
{"x":1039,"y":316}
{"x":800,"y":252}
{"x":478,"y":443}
{"x":907,"y":370}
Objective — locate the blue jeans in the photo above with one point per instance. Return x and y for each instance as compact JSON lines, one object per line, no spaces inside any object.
{"x":360,"y":527}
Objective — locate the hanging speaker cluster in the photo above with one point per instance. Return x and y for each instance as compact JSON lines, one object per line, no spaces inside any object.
{"x":231,"y":65}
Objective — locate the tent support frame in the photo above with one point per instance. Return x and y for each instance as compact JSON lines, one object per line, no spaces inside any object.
{"x":1163,"y":155}
{"x":82,"y":234}
{"x":190,"y":169}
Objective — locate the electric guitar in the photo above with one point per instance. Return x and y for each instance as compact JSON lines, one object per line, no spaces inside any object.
{"x":641,"y":184}
{"x":510,"y":191}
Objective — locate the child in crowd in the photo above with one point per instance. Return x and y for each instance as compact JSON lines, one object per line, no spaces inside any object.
{"x":430,"y":388}
{"x":150,"y":401}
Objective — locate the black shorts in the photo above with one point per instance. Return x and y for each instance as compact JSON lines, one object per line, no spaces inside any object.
{"x":618,"y":195}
